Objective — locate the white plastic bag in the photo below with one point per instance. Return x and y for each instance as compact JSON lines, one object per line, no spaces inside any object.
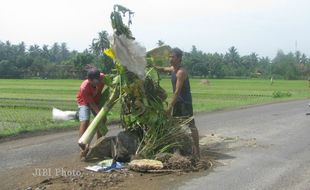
{"x":130,"y":54}
{"x":59,"y":115}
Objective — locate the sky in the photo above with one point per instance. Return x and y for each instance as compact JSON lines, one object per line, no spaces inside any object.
{"x":260,"y":26}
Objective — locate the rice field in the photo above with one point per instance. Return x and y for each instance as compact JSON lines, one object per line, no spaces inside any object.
{"x":26,"y":105}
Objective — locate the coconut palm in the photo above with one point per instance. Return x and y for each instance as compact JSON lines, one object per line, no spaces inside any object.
{"x":100,"y":43}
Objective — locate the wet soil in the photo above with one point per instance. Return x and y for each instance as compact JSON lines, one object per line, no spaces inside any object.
{"x":70,"y":173}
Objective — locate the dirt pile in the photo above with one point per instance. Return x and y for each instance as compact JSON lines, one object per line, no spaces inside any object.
{"x":86,"y":180}
{"x":174,"y":165}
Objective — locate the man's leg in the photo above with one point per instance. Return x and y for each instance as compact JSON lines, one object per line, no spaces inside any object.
{"x":84,"y":115}
{"x":195,"y":136}
{"x":84,"y":149}
{"x":83,"y":127}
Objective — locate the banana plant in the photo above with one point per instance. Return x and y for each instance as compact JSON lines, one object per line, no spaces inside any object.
{"x":136,"y":87}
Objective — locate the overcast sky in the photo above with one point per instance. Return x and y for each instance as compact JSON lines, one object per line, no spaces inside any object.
{"x":261,"y":26}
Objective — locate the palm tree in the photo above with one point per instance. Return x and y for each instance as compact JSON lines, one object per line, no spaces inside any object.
{"x":100,"y":43}
{"x":34,"y":51}
{"x":232,"y":57}
{"x":64,"y":52}
{"x":54,"y":52}
{"x":45,"y":52}
{"x":21,"y":48}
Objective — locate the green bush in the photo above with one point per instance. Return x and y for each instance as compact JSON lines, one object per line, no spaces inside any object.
{"x":280,"y":94}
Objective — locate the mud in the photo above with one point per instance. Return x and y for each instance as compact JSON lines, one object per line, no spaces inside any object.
{"x":72,"y":175}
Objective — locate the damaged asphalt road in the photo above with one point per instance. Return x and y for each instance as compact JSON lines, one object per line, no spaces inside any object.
{"x":259,"y":147}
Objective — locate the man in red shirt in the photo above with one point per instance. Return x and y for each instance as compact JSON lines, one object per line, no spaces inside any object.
{"x":88,"y":98}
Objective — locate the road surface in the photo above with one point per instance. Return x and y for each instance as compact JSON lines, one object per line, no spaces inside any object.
{"x":259,"y":147}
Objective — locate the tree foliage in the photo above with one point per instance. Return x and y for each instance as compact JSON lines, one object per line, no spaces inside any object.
{"x":57,"y":61}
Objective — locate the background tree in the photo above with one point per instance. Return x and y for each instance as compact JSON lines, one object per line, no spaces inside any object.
{"x":57,"y":61}
{"x":55,"y":53}
{"x":98,"y":45}
{"x":64,"y":52}
{"x":284,"y":66}
{"x":193,"y":58}
{"x":81,"y":60}
{"x":264,"y":67}
{"x":215,"y":65}
{"x":200,"y":69}
{"x":8,"y":70}
{"x":232,"y":63}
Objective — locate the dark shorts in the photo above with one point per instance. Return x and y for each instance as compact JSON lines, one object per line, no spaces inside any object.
{"x":181,"y":109}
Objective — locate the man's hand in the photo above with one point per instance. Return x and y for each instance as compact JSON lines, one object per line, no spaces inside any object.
{"x":169,"y":110}
{"x":94,"y":107}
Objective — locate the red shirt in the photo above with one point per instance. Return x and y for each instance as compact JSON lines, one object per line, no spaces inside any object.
{"x":88,"y":93}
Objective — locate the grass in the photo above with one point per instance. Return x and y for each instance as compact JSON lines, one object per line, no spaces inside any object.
{"x":221,"y":94}
{"x":26,"y":105}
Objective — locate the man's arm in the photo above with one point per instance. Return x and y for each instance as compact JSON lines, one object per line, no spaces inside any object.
{"x":165,"y":69}
{"x":181,"y":76}
{"x":87,"y":96}
{"x":94,"y":107}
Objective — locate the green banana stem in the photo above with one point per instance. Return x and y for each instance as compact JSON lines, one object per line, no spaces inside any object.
{"x":101,"y":116}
